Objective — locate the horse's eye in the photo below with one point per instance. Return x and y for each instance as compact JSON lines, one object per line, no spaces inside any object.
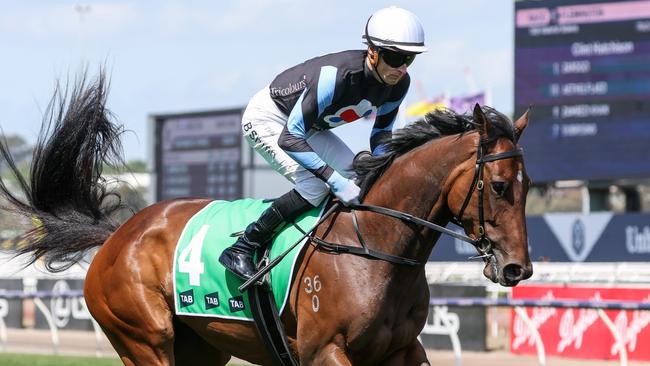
{"x":499,"y":188}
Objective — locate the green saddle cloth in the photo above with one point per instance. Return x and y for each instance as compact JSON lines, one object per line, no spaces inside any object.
{"x":202,"y":286}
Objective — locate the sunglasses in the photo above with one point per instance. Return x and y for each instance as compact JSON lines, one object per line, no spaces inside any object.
{"x":396,"y":59}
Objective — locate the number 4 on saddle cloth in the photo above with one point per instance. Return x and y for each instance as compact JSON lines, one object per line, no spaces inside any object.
{"x":202,"y":286}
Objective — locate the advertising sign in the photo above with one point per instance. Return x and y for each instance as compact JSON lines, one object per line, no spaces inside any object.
{"x":580,"y":333}
{"x":67,"y":312}
{"x":583,"y":67}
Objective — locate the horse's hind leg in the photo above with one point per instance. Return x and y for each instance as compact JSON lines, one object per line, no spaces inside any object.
{"x":141,"y":334}
{"x":136,"y":318}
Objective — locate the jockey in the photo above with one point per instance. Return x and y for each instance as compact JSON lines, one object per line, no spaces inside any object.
{"x":288,"y":123}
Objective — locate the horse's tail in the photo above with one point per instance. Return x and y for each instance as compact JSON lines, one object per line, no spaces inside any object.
{"x":66,"y":198}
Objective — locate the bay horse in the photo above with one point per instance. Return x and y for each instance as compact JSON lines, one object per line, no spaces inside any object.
{"x":466,"y":168}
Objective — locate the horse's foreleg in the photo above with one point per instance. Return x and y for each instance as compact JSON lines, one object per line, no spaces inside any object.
{"x":412,"y":355}
{"x":330,"y":355}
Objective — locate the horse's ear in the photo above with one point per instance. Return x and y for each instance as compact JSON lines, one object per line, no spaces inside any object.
{"x":521,"y":124}
{"x":483,"y":123}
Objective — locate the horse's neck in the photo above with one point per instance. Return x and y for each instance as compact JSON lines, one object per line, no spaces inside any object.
{"x":416,"y":184}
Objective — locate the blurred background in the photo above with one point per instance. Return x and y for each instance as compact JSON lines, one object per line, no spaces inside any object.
{"x":182,"y":71}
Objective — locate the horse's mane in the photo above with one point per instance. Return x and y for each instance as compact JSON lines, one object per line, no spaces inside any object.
{"x":436,"y":124}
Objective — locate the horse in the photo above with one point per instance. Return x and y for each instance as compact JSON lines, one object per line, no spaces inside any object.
{"x":445,"y":167}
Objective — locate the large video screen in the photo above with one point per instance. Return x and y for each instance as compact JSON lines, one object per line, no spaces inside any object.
{"x":199,"y":155}
{"x":584,"y":66}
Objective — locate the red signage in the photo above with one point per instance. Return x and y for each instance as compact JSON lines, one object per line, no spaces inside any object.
{"x":580,"y":333}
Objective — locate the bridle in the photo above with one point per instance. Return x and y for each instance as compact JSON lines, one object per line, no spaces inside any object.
{"x":483,"y":244}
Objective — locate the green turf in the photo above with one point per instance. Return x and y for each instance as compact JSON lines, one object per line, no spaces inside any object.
{"x":14,"y":359}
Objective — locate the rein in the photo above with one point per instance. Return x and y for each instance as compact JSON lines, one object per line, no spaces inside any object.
{"x":367,"y":252}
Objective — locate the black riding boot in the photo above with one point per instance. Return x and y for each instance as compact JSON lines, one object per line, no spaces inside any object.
{"x":238,"y":258}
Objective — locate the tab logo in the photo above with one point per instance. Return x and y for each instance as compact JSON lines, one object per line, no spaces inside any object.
{"x":212,"y":300}
{"x":236,"y":304}
{"x":187,"y":298}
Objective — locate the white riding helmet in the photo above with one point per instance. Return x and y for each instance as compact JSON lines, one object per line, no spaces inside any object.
{"x":396,"y":29}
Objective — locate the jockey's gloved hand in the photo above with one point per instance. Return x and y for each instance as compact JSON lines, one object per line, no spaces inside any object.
{"x":344,"y":189}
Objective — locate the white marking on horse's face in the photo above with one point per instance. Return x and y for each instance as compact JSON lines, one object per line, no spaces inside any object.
{"x":520,"y":176}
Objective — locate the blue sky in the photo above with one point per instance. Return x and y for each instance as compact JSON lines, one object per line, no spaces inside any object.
{"x":176,"y":56}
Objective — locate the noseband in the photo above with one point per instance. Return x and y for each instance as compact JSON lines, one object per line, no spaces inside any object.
{"x":483,"y":243}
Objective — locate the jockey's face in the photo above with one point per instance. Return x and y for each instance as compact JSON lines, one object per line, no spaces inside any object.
{"x":391,"y":75}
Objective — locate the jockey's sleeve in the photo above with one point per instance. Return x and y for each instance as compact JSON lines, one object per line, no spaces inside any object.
{"x":382,"y":130}
{"x":310,"y":105}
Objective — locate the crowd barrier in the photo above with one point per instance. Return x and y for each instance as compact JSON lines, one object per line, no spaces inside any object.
{"x":447,"y":323}
{"x":38,"y":297}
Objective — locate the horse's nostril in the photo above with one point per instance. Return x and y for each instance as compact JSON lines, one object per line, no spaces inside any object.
{"x":513,"y":272}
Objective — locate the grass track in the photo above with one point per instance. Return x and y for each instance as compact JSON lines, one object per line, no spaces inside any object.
{"x":15,"y":359}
